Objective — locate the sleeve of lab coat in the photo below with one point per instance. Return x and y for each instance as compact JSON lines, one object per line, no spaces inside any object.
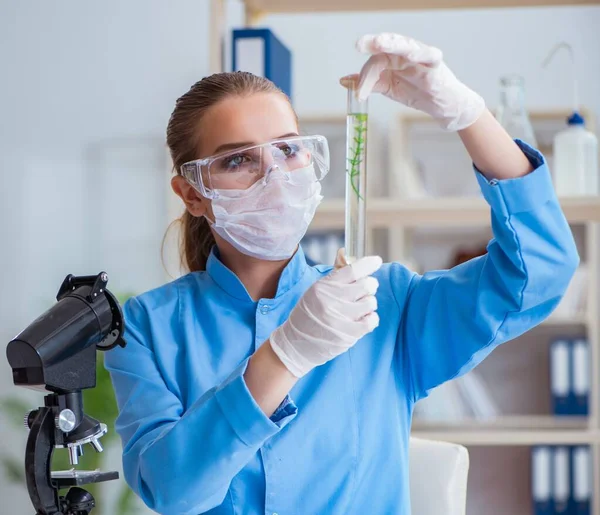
{"x":453,"y":319}
{"x":181,"y":462}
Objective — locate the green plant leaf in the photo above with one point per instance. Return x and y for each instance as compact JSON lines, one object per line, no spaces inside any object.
{"x":100,"y":402}
{"x":127,"y":502}
{"x":14,"y":470}
{"x":60,"y":460}
{"x":359,"y":121}
{"x":15,"y":410}
{"x":123,"y":296}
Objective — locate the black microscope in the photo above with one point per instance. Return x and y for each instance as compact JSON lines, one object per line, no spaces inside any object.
{"x":57,"y":353}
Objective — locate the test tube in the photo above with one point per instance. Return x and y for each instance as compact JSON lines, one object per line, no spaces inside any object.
{"x":356,"y":176}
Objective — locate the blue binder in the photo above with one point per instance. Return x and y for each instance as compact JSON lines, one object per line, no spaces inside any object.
{"x":560,"y":377}
{"x":541,"y":480}
{"x":260,"y":52}
{"x":561,"y":480}
{"x":580,"y":375}
{"x":581,"y":477}
{"x":321,"y":247}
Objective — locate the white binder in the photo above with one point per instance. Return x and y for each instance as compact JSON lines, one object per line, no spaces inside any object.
{"x":561,"y":480}
{"x":582,"y":480}
{"x":560,"y":381}
{"x":581,"y":376}
{"x":541,"y":480}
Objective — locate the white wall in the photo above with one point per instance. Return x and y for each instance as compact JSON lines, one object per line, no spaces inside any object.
{"x":77,"y":76}
{"x":475,"y":43}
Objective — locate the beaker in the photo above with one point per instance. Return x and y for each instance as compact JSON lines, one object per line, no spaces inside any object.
{"x":512,"y":113}
{"x":356,"y":176}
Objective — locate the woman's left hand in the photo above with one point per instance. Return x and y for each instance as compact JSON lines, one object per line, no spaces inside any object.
{"x":414,"y":74}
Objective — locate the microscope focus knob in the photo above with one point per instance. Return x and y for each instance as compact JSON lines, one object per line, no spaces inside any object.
{"x":65,"y":421}
{"x":29,"y":418}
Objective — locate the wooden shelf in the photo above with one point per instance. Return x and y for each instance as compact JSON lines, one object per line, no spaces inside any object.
{"x":512,"y":437}
{"x":440,"y":212}
{"x":505,"y":422}
{"x":257,"y":7}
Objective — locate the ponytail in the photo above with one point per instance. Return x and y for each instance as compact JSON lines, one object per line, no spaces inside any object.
{"x":197,"y":241}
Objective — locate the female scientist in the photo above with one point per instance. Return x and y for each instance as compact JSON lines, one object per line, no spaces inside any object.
{"x":257,"y":384}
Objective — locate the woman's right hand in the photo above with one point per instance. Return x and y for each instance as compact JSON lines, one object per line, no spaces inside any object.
{"x":332,"y":315}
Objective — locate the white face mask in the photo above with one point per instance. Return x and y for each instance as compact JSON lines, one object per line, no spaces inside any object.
{"x":267,"y":221}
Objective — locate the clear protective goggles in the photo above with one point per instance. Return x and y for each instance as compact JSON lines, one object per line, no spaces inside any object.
{"x":242,"y":168}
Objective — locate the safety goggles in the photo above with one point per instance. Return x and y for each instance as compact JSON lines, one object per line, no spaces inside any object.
{"x":240,"y":169}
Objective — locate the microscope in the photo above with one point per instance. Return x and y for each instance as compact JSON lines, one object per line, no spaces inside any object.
{"x":56,"y":353}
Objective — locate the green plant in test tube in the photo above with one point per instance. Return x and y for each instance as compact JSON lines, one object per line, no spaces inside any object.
{"x":356,"y":176}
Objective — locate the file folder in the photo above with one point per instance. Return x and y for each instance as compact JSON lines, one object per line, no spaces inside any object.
{"x":582,"y":480}
{"x":541,"y":480}
{"x":260,"y":52}
{"x":560,"y":377}
{"x":561,"y":485}
{"x":581,"y":377}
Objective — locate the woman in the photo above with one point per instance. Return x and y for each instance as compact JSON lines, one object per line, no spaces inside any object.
{"x":259,"y":384}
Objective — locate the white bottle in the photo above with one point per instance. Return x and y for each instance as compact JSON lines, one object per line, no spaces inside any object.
{"x":576,"y":159}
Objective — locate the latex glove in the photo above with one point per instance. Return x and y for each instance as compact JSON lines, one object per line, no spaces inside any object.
{"x":414,"y":74}
{"x":331,"y":316}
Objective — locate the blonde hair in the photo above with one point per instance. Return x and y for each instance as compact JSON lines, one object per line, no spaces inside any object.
{"x":183,"y":140}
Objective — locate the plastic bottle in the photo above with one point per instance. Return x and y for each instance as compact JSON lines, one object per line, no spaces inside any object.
{"x":576,"y":159}
{"x":575,"y":148}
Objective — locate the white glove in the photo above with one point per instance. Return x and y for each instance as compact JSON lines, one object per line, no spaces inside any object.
{"x":332,"y":315}
{"x":414,"y":74}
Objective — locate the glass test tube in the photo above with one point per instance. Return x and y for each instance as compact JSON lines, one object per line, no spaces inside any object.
{"x":356,"y":177}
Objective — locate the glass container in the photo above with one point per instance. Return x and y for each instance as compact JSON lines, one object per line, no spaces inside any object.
{"x":356,"y":176}
{"x":512,"y":113}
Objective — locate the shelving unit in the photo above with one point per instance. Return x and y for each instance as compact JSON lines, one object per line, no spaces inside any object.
{"x":256,"y":8}
{"x":514,"y":438}
{"x":509,"y":431}
{"x":506,"y":439}
{"x":514,"y":433}
{"x":439,"y":212}
{"x":506,"y":422}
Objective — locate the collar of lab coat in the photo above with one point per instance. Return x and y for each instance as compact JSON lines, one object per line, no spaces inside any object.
{"x":232,"y":285}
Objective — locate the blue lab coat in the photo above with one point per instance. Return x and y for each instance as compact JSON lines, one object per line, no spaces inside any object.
{"x":194,"y":439}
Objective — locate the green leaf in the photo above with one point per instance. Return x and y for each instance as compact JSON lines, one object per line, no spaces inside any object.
{"x":60,"y":459}
{"x":13,"y":470}
{"x":123,"y":296}
{"x":100,"y":402}
{"x":15,"y":410}
{"x":127,"y":502}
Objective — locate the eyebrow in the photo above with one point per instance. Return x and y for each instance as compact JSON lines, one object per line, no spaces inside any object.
{"x":239,"y":144}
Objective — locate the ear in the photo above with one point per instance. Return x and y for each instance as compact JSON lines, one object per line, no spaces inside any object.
{"x":195,"y":203}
